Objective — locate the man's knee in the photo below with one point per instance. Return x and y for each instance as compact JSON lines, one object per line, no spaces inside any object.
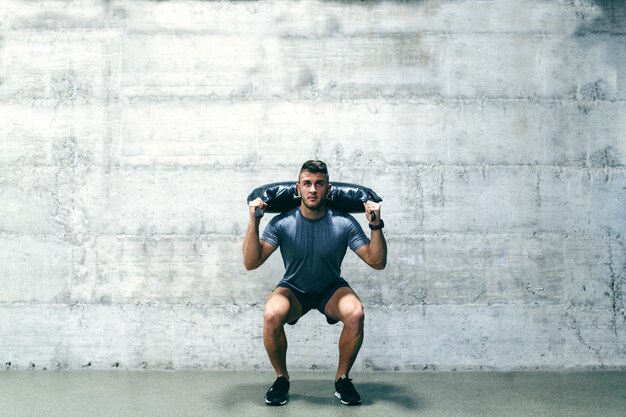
{"x":354,"y":318}
{"x":276,"y":311}
{"x":273,"y":318}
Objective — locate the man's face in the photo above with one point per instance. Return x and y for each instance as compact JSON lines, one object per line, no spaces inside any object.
{"x":313,"y":188}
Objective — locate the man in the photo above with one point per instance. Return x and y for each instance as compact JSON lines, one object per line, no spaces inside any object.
{"x":313,"y":239}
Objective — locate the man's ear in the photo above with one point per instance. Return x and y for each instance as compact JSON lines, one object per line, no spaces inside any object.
{"x":328,"y":191}
{"x":298,"y":189}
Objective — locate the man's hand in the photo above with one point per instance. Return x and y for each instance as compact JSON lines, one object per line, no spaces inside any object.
{"x":256,"y":204}
{"x":371,"y":207}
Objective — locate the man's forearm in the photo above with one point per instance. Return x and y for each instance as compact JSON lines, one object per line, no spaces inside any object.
{"x":252,"y":246}
{"x":378,"y":249}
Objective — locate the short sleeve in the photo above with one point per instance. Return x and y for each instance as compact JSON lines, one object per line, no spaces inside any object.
{"x":271,"y":234}
{"x":356,"y":236}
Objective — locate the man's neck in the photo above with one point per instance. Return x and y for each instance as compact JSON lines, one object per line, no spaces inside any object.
{"x":312,"y":214}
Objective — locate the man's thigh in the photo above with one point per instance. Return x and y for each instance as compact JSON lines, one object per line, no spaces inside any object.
{"x":283,"y":302}
{"x":343,"y":303}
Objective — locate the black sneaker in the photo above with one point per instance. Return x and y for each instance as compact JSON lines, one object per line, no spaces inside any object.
{"x":345,"y":391}
{"x":278,"y":392}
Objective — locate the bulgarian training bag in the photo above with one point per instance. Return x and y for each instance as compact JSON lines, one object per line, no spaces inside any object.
{"x":283,"y":196}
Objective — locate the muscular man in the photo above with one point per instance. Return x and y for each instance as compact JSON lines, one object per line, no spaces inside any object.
{"x":313,"y":239}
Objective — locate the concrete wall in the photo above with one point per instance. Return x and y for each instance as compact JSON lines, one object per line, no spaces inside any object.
{"x":132,"y":131}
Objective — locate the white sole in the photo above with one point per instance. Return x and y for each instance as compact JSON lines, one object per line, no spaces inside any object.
{"x":280,"y":403}
{"x":344,"y":402}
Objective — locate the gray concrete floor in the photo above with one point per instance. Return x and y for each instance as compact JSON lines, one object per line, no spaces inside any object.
{"x":197,"y":393}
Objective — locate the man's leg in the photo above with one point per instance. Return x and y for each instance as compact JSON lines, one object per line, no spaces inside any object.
{"x":281,"y":307}
{"x":346,"y":307}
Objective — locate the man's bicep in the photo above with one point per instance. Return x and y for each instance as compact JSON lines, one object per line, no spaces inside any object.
{"x":266,"y":250}
{"x":363,"y":253}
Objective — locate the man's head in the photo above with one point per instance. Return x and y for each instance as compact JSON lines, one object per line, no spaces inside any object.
{"x":313,"y":185}
{"x":314,"y":166}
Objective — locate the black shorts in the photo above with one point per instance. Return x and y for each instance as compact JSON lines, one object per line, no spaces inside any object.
{"x":315,"y":301}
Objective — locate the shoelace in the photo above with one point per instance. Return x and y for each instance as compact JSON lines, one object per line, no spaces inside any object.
{"x":279,"y":385}
{"x":347,"y":385}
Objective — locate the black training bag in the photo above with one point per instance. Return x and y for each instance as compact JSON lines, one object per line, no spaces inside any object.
{"x":282,"y":196}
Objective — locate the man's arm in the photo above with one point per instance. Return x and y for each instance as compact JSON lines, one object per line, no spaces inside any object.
{"x":374,"y":253}
{"x":255,"y":251}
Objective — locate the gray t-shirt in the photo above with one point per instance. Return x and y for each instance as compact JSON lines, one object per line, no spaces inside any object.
{"x":313,"y":250}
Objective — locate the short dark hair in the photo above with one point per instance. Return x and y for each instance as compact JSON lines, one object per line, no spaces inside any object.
{"x":315,"y":166}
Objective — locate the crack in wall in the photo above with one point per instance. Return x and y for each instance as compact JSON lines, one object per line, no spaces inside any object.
{"x":572,"y":324}
{"x":616,"y":294}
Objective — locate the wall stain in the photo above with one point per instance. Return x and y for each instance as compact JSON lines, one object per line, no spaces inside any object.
{"x":439,"y":198}
{"x":598,"y":16}
{"x":588,"y":95}
{"x":538,"y":198}
{"x":607,"y":157}
{"x":413,"y":194}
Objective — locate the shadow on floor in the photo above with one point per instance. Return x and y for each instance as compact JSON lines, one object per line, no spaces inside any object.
{"x":320,"y":392}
